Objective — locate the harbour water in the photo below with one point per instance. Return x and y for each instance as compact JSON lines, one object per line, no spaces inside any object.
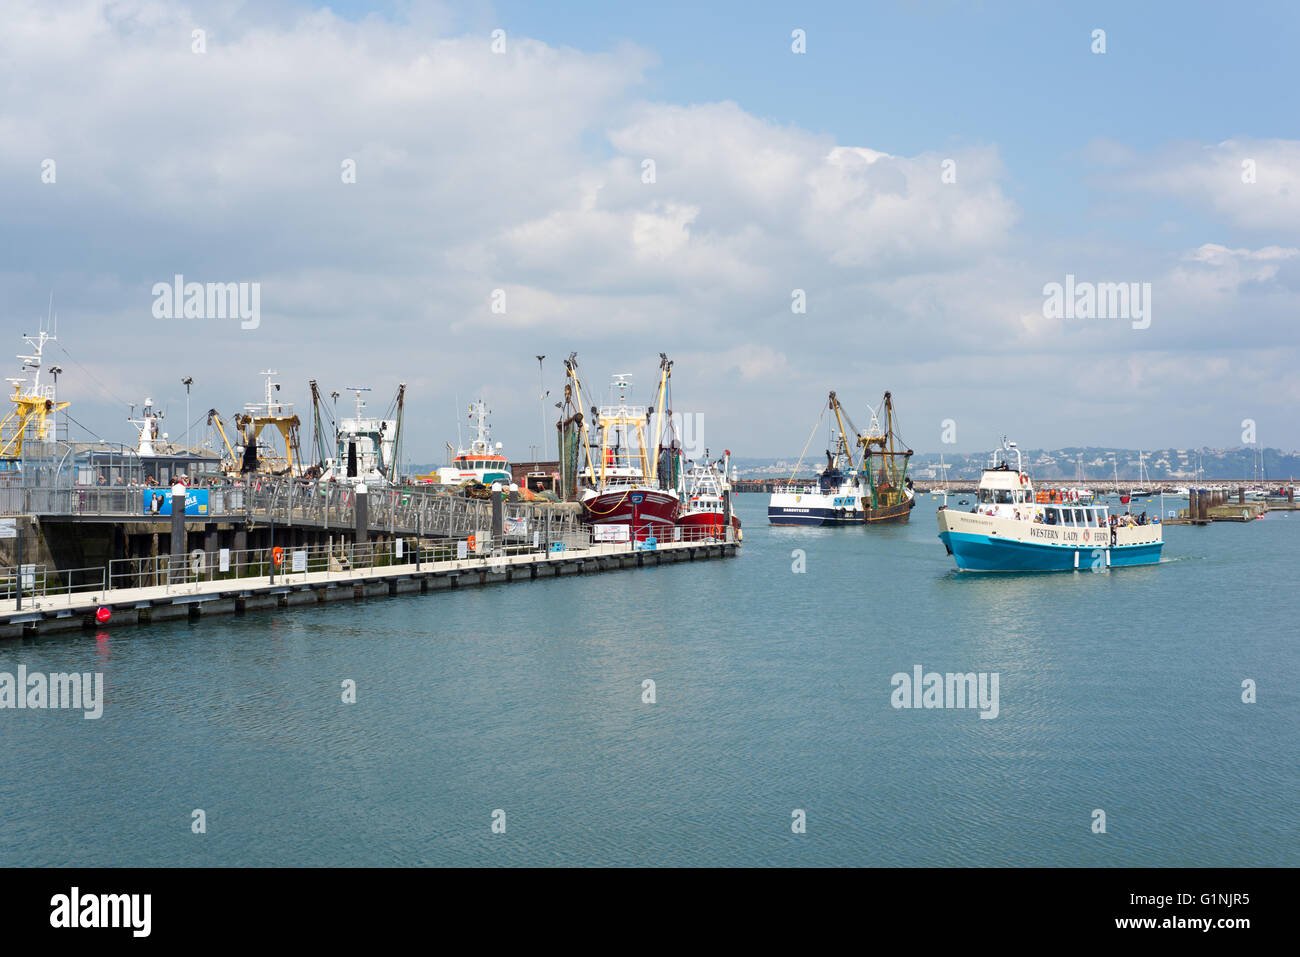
{"x":1118,"y":691}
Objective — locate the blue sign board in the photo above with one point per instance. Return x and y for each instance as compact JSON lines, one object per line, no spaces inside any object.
{"x":159,"y":501}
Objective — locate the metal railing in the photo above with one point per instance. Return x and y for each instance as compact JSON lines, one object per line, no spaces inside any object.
{"x":297,"y":565}
{"x":289,"y":502}
{"x":38,"y":581}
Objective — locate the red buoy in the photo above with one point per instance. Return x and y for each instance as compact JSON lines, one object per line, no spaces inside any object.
{"x":102,"y":615}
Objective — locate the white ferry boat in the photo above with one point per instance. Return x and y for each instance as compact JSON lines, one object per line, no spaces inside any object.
{"x":1010,"y":530}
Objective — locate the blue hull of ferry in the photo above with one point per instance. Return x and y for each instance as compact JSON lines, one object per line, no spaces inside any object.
{"x":980,"y":553}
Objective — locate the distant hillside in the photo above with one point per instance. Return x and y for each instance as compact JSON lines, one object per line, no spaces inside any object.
{"x":1094,"y":463}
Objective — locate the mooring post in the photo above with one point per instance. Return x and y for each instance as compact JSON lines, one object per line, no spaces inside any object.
{"x":177,"y":547}
{"x":361,"y":512}
{"x":498,"y":514}
{"x":18,"y":562}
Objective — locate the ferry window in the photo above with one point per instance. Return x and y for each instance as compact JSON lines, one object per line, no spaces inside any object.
{"x":1078,"y":516}
{"x":1050,"y":514}
{"x":1004,"y":497}
{"x":986,"y":496}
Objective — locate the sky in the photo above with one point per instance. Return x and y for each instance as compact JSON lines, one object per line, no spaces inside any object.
{"x":422,"y":199}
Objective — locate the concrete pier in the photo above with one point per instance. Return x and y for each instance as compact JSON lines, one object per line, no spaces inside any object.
{"x":202,"y":599}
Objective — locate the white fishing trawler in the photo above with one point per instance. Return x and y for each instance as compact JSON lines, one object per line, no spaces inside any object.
{"x":365,"y":446}
{"x":1012,"y":529}
{"x":833,"y":498}
{"x":873,"y":489}
{"x":482,"y":462}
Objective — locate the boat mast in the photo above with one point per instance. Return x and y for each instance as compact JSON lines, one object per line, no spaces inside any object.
{"x":665,"y":369}
{"x":840,"y":417}
{"x":571,"y":371}
{"x":397,"y":433}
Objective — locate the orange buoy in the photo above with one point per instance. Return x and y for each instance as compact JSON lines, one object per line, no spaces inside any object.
{"x":102,"y":615}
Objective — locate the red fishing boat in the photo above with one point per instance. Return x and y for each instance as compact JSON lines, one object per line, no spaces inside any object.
{"x":627,"y":491}
{"x":706,"y":508}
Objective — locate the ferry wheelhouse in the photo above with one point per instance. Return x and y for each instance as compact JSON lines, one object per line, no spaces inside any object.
{"x":1011,"y":530}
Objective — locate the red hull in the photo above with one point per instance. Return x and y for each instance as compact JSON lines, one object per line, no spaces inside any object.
{"x":650,"y":511}
{"x":705,"y":525}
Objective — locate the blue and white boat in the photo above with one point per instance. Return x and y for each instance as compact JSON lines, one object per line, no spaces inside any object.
{"x":833,"y":499}
{"x":1013,"y":529}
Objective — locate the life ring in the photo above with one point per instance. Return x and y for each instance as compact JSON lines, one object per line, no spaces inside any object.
{"x":469,"y":544}
{"x":277,"y":555}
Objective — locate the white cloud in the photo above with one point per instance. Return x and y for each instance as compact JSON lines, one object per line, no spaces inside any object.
{"x":523,"y":172}
{"x":1212,"y":178}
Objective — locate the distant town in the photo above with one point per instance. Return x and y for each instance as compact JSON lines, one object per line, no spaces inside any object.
{"x":1075,"y":463}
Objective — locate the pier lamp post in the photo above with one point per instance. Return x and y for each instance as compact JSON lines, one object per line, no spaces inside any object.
{"x":187,"y":382}
{"x":54,"y":371}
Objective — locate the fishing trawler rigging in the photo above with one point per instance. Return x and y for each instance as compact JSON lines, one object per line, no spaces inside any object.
{"x":366,"y":448}
{"x":887,"y":494}
{"x":831,"y":500}
{"x":624,"y":467}
{"x":35,"y":405}
{"x":250,"y":453}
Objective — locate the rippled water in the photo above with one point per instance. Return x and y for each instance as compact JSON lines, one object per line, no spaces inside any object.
{"x":1119,"y":691}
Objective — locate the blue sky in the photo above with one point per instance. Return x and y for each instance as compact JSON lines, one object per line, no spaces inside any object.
{"x":776,"y":172}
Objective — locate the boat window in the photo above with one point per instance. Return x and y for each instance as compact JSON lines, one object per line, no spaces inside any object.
{"x":986,"y":495}
{"x":1004,"y":497}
